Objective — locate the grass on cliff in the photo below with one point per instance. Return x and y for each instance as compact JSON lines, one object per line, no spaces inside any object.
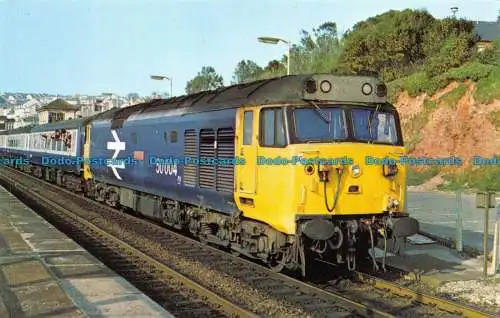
{"x":451,"y":98}
{"x":485,"y":178}
{"x":495,"y":119}
{"x":416,"y":177}
{"x":487,"y":78}
{"x":488,"y":88}
{"x":415,"y":125}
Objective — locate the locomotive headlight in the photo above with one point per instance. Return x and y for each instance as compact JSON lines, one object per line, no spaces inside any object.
{"x":309,"y":169}
{"x":393,"y":204}
{"x":366,"y":89}
{"x":310,"y":86}
{"x":355,"y":171}
{"x":389,"y":170}
{"x":325,"y":86}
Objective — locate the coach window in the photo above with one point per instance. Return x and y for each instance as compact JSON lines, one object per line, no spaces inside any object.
{"x":165,"y":137}
{"x":173,"y":136}
{"x":272,"y":128}
{"x":247,"y":127}
{"x":134,"y":138}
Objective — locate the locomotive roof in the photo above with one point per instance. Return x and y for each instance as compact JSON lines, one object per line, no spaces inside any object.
{"x":20,"y":130}
{"x":286,"y":89}
{"x":63,"y":124}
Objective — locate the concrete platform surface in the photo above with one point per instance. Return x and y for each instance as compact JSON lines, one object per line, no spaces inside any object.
{"x":435,"y":263}
{"x":43,"y":273}
{"x":437,"y":214}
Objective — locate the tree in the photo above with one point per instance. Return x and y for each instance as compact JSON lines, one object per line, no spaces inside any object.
{"x":274,"y":66}
{"x":246,"y":71}
{"x":396,"y":42}
{"x":206,"y":79}
{"x":454,"y":52}
{"x":132,"y":96}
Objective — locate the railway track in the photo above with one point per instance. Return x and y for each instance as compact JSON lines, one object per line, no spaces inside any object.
{"x":180,"y":295}
{"x":253,"y":288}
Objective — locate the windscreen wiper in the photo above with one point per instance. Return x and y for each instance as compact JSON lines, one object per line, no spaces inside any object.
{"x":370,"y":121}
{"x":320,"y":112}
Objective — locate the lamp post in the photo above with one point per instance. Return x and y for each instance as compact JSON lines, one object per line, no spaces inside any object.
{"x":272,"y":40}
{"x":161,"y":78}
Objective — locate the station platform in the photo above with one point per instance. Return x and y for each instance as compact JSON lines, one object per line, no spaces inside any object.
{"x":433,"y":262}
{"x":437,"y":214}
{"x":43,"y":273}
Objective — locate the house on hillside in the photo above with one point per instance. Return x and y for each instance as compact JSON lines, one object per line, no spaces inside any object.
{"x":10,"y":123}
{"x":486,"y":32}
{"x":56,"y":111}
{"x":3,"y":123}
{"x":99,"y":106}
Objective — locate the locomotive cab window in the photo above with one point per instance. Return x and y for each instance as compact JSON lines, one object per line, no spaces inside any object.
{"x":377,"y":126}
{"x":272,"y":128}
{"x":325,"y":124}
{"x":247,"y":127}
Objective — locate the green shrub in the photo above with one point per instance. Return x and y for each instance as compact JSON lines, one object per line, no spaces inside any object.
{"x":469,"y":71}
{"x":416,"y":84}
{"x":453,"y":53}
{"x":491,"y":55}
{"x":488,"y":88}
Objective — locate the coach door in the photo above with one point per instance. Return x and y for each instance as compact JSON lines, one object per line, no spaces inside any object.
{"x":246,"y":174}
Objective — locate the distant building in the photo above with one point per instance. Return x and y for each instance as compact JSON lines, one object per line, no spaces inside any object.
{"x":10,"y":124}
{"x":486,"y":32}
{"x":3,"y":122}
{"x":56,"y":111}
{"x":98,"y":106}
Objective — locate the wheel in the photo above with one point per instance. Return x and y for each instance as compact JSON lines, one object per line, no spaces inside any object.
{"x":277,"y":264}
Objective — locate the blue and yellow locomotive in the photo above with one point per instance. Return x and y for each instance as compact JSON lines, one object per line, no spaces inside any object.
{"x":274,"y":169}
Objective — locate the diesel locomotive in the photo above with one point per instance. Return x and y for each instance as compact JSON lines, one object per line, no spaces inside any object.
{"x":275,"y":169}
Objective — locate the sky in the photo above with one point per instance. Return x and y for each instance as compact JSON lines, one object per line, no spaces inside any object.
{"x":113,"y":46}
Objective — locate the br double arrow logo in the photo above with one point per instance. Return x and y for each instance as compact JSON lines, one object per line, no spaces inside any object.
{"x":117,"y":146}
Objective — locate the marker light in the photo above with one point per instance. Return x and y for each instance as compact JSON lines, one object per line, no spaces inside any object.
{"x":381,"y":90}
{"x":325,"y":86}
{"x":309,"y":169}
{"x":355,"y":171}
{"x":367,"y":89}
{"x":310,"y":86}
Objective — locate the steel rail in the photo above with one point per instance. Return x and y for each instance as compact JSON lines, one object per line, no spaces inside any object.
{"x":328,"y":296}
{"x":226,"y":306}
{"x":442,"y":304}
{"x":393,"y":288}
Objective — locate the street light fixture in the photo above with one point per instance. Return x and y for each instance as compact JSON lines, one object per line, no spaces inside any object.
{"x":161,"y":78}
{"x":273,"y":40}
